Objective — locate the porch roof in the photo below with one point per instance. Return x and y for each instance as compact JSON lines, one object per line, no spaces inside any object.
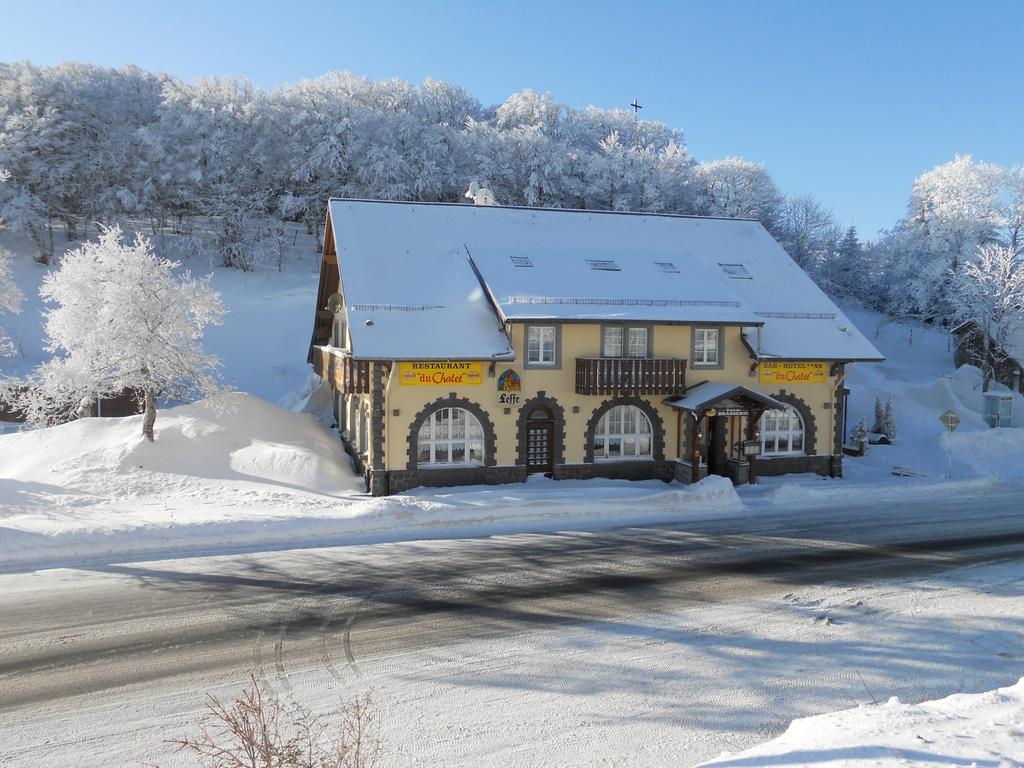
{"x":708,"y":394}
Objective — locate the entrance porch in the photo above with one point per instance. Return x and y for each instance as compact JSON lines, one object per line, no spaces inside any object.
{"x":722,"y":424}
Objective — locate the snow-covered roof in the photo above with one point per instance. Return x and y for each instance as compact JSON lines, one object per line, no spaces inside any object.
{"x":410,"y":295}
{"x":593,"y":271}
{"x":542,"y":263}
{"x":709,"y":393}
{"x":1014,"y":345}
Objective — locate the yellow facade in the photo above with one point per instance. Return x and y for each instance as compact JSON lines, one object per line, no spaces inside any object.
{"x":403,"y":402}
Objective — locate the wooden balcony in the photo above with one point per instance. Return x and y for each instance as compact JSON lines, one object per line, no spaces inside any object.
{"x":351,"y":377}
{"x":630,"y":376}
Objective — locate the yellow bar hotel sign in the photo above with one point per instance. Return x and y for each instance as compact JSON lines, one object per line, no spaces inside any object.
{"x":432,"y":374}
{"x":778,"y":372}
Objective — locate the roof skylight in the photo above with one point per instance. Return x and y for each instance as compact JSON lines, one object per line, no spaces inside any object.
{"x":603,"y":265}
{"x":736,"y":271}
{"x":667,"y":266}
{"x":521,"y":261}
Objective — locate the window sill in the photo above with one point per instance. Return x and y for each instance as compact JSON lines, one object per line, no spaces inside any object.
{"x":787,"y":455}
{"x":609,"y":459}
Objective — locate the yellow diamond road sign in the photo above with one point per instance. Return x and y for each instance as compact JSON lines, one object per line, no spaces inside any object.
{"x":950,"y":420}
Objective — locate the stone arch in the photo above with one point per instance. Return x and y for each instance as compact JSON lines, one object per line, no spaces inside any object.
{"x":452,"y":401}
{"x":557,"y":412}
{"x":807,"y":416}
{"x":657,"y":426}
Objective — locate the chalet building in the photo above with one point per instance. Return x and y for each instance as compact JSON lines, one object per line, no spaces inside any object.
{"x":480,"y":344}
{"x":1007,"y":364}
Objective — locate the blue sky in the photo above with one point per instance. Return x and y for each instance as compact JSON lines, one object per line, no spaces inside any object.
{"x":846,"y":100}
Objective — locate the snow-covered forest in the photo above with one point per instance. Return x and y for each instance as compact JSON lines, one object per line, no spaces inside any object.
{"x":86,"y":144}
{"x":82,"y":144}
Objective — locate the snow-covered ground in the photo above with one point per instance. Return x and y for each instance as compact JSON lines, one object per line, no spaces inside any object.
{"x":983,"y":729}
{"x":640,"y":689}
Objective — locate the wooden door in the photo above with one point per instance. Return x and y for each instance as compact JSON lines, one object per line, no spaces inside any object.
{"x":540,"y":439}
{"x":716,"y":445}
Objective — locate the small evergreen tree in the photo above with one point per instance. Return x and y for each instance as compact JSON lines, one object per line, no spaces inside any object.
{"x":860,"y":436}
{"x":879,"y":426}
{"x":889,"y":421}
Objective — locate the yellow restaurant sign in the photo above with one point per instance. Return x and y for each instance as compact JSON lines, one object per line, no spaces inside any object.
{"x":777,"y":372}
{"x":439,"y":373}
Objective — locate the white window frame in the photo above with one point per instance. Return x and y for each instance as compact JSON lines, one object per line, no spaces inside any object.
{"x":443,"y":432}
{"x":618,"y":341}
{"x":624,"y":425}
{"x":545,"y":353}
{"x":700,"y":347}
{"x":613,"y":343}
{"x":792,"y":426}
{"x":637,"y":332}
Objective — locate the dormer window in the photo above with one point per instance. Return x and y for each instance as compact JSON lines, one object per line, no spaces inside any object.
{"x":736,"y":271}
{"x":603,"y":265}
{"x":521,"y":261}
{"x":667,"y":266}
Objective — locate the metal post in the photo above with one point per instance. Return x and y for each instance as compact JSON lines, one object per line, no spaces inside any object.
{"x":949,"y":454}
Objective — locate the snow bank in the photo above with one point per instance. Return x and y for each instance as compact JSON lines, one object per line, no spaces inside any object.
{"x":238,"y":446}
{"x":985,"y":729}
{"x":246,"y":474}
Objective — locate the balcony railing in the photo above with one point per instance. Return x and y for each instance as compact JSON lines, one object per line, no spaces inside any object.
{"x":344,"y":374}
{"x":630,"y":376}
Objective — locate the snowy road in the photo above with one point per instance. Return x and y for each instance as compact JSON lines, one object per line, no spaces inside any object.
{"x":98,"y":665}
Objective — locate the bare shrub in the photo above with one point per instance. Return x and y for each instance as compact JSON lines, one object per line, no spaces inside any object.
{"x":256,"y":731}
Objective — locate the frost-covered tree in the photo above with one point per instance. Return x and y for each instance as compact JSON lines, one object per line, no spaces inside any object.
{"x":879,"y":426}
{"x":859,"y":436}
{"x":846,"y":273}
{"x":122,"y":319}
{"x":88,"y":144}
{"x":737,"y":188}
{"x":10,"y":300}
{"x":988,"y":294}
{"x":809,"y":233}
{"x":956,"y":207}
{"x":889,"y":420}
{"x":70,"y":140}
{"x":1014,"y":211}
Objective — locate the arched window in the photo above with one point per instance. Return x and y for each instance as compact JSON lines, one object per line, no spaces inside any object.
{"x":624,"y":432}
{"x":450,"y":436}
{"x":782,"y":433}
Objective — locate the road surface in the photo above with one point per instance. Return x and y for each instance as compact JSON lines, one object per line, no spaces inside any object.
{"x":71,"y":638}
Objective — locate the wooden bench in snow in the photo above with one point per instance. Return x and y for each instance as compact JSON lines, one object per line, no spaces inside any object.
{"x":904,"y":472}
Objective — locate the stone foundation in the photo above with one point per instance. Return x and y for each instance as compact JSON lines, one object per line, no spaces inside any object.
{"x":617,"y":470}
{"x":385,"y":482}
{"x":787,"y":465}
{"x":682,"y":471}
{"x":399,"y":480}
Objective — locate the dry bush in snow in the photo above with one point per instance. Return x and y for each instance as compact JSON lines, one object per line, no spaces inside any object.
{"x":257,"y":731}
